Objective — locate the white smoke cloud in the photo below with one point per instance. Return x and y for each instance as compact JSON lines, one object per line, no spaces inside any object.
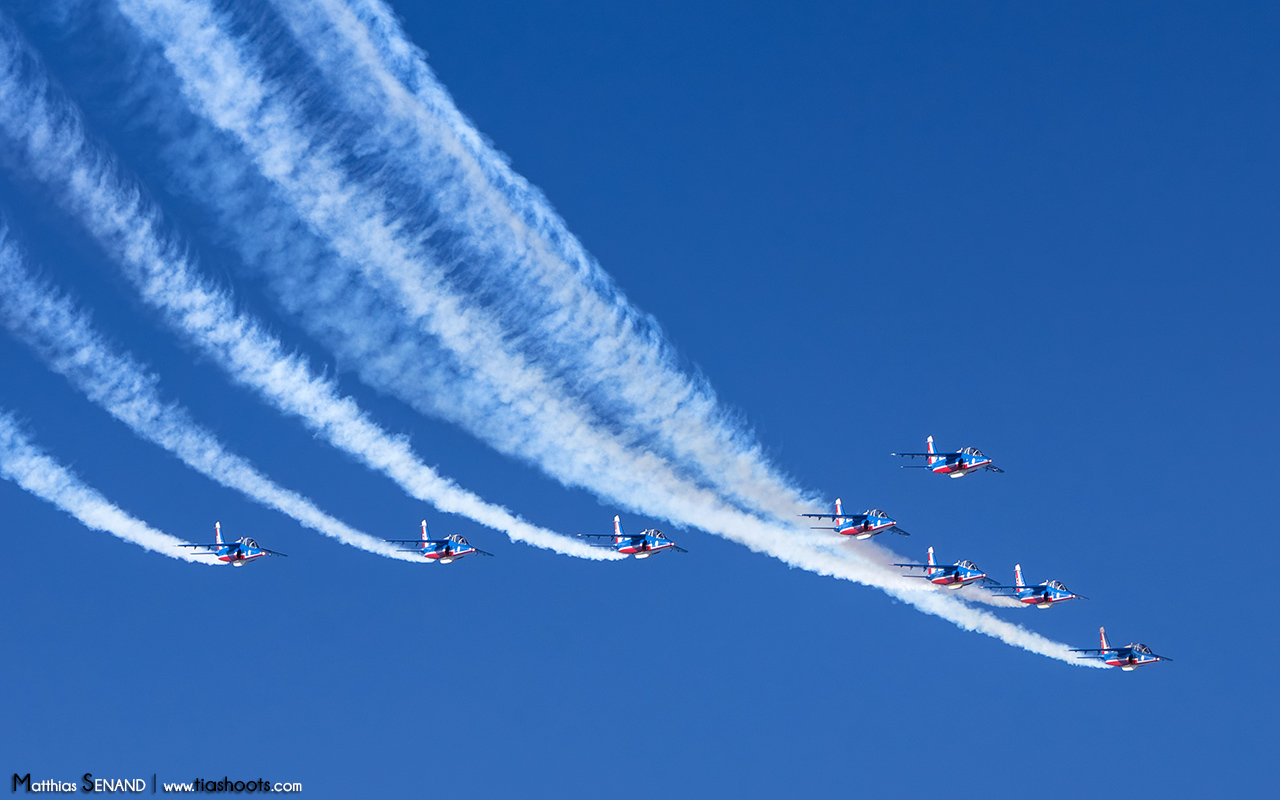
{"x":549,"y":295}
{"x":27,"y":466}
{"x":47,"y":137}
{"x":65,"y":339}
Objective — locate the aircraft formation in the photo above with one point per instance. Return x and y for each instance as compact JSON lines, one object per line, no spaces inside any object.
{"x":858,"y":526}
{"x":957,"y":464}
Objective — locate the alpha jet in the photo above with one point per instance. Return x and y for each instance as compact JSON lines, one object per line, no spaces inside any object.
{"x":956,"y":576}
{"x":445,"y":551}
{"x":957,"y":464}
{"x":237,"y":553}
{"x":641,"y":545}
{"x":1128,"y":658}
{"x":860,"y":526}
{"x":1041,"y":595}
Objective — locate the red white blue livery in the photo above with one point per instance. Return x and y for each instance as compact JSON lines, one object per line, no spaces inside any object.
{"x":1128,"y":658}
{"x":955,"y":576}
{"x":444,"y":551}
{"x":870,"y":523}
{"x":957,"y":464}
{"x":237,"y":553}
{"x":641,"y":545}
{"x":1041,"y":595}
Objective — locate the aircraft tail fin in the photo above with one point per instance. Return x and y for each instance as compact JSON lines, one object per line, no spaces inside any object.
{"x":217,"y":532}
{"x":1017,"y":577}
{"x":931,"y":561}
{"x":617,"y":529}
{"x":929,"y":448}
{"x":1102,"y":635}
{"x":425,"y":535}
{"x":839,"y":508}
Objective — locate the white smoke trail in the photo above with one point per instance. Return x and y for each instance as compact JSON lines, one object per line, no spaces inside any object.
{"x":514,"y":405}
{"x":24,"y":464}
{"x":550,"y":295}
{"x":65,"y":339}
{"x":511,"y":227}
{"x":46,"y":136}
{"x":209,"y":63}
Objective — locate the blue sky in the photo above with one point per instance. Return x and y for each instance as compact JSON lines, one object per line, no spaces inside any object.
{"x":1044,"y":231}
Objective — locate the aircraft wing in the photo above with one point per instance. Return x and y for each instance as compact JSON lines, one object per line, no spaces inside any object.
{"x":415,"y":541}
{"x":678,"y":547}
{"x":273,"y":552}
{"x":927,"y":566}
{"x":994,"y":468}
{"x":897,"y":530}
{"x":1096,"y":650}
{"x":916,"y":455}
{"x":600,"y":535}
{"x":834,"y":516}
{"x":484,"y":552}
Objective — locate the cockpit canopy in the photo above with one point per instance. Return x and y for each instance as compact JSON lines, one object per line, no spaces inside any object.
{"x":657,"y":534}
{"x":875,"y":512}
{"x":969,"y":565}
{"x":1142,"y":648}
{"x":972,"y":451}
{"x":1058,"y":585}
{"x":458,"y":539}
{"x":247,"y":542}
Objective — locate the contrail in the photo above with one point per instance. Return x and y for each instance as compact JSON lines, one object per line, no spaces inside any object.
{"x":494,"y":392}
{"x":24,"y":464}
{"x":551,"y":297}
{"x":65,"y":339}
{"x":209,"y":63}
{"x":47,"y":137}
{"x":551,"y":286}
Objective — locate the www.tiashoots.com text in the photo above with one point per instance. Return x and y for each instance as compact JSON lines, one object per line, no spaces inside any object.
{"x":88,"y":783}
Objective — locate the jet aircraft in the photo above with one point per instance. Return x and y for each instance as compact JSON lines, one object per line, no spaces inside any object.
{"x":237,"y":553}
{"x":1041,"y":595}
{"x":641,"y":545}
{"x":956,"y":576}
{"x":446,"y":550}
{"x":1128,"y":658}
{"x":957,"y":464}
{"x":860,"y":526}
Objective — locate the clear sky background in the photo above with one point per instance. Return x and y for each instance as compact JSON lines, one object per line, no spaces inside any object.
{"x":1045,"y":230}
